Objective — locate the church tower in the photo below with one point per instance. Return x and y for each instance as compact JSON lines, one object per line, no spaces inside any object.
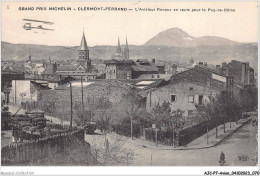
{"x":126,"y":50}
{"x":118,"y":49}
{"x":83,"y":53}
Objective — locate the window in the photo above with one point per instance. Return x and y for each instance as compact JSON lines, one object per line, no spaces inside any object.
{"x":190,"y":112}
{"x":231,"y":82}
{"x":114,"y":71}
{"x":191,"y":88}
{"x":191,"y":98}
{"x":200,"y":99}
{"x":173,"y":98}
{"x":152,"y":76}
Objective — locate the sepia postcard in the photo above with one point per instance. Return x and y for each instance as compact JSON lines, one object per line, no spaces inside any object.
{"x":135,"y":83}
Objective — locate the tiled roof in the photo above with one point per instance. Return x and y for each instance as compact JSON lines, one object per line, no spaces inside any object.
{"x":142,"y":83}
{"x":160,"y":64}
{"x":66,"y":68}
{"x":39,"y":86}
{"x":114,"y":61}
{"x":195,"y":75}
{"x":155,"y":76}
{"x":146,"y":67}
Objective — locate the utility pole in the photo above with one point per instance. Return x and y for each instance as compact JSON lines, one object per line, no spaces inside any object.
{"x":15,"y":91}
{"x":151,"y":157}
{"x":70,"y":107}
{"x":131,"y":128}
{"x":82,"y":102}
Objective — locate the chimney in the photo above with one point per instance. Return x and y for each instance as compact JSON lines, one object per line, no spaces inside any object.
{"x":217,"y":68}
{"x":174,"y":69}
{"x":226,"y":70}
{"x":205,"y":64}
{"x":243,"y":74}
{"x":224,"y":64}
{"x":153,"y":61}
{"x":200,"y":64}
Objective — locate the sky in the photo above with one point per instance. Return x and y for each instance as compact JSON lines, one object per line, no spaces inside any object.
{"x":104,"y":27}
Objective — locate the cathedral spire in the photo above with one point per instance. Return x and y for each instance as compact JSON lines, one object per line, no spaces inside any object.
{"x":83,"y":44}
{"x":126,"y":45}
{"x":118,"y":50}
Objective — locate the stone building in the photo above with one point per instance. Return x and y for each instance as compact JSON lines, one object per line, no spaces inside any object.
{"x":241,"y":71}
{"x":119,"y":69}
{"x":186,"y":89}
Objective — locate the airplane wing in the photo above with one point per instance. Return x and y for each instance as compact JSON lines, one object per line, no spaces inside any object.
{"x":45,"y":22}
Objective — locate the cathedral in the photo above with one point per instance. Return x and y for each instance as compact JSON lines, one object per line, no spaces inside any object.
{"x":121,"y":54}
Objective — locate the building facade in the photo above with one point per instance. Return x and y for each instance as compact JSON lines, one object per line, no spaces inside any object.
{"x":187,"y":89}
{"x":119,"y":69}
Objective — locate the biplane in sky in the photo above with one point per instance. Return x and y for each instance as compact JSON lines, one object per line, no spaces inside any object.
{"x":30,"y":24}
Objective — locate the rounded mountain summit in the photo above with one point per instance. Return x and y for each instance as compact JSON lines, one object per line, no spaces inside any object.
{"x":176,"y":37}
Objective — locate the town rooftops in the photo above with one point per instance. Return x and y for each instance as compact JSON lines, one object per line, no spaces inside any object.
{"x":144,"y":66}
{"x":114,"y":61}
{"x":155,"y":76}
{"x":66,"y":68}
{"x":236,"y":63}
{"x":143,"y":84}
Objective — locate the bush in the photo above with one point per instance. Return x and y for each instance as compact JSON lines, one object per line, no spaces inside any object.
{"x":125,"y":130}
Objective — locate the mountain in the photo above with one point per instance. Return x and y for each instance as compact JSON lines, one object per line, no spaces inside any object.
{"x":176,"y":37}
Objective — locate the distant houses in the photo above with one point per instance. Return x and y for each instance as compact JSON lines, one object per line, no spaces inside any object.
{"x":121,"y":67}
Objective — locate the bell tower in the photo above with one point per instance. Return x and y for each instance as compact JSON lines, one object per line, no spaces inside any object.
{"x":83,"y":53}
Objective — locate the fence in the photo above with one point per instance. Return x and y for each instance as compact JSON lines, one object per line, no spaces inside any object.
{"x":185,"y":135}
{"x":22,"y":153}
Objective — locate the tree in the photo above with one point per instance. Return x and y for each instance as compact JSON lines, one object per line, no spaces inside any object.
{"x":249,"y":98}
{"x":116,"y":154}
{"x":177,"y":122}
{"x":160,"y":115}
{"x":210,"y":110}
{"x":131,"y":104}
{"x":104,"y":116}
{"x":204,"y":114}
